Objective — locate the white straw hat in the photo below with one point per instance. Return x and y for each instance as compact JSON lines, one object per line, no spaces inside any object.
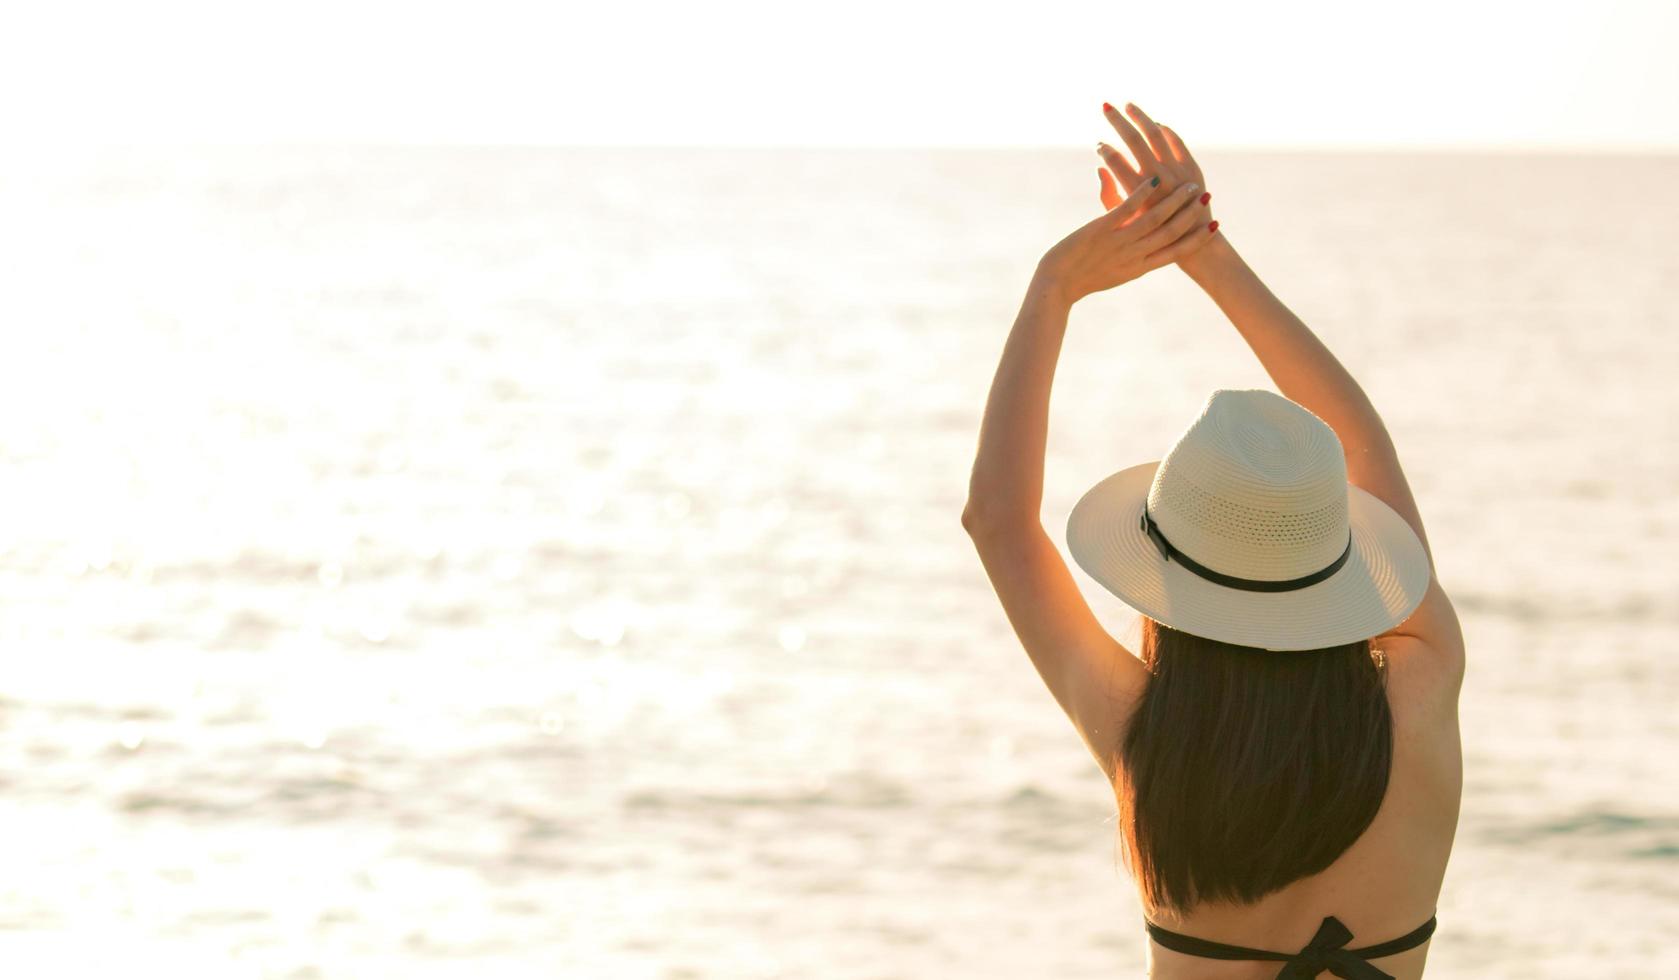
{"x":1248,"y":532}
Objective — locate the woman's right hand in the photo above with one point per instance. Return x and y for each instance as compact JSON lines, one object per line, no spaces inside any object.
{"x":1146,"y":231}
{"x":1159,"y":152}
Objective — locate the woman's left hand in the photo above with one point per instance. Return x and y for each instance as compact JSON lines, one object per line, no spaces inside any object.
{"x":1126,"y":242}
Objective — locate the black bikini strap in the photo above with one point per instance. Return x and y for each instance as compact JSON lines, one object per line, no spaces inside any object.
{"x":1196,"y":946}
{"x":1324,"y":952}
{"x":1416,"y":937}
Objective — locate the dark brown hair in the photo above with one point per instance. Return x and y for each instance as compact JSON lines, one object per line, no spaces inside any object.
{"x":1245,"y":769}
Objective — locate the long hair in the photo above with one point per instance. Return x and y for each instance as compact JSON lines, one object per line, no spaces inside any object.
{"x":1244,"y":769}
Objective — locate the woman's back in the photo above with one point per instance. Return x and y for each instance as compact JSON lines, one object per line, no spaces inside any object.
{"x":1388,"y":882}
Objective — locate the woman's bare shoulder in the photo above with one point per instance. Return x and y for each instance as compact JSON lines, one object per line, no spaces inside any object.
{"x":1421,"y":681}
{"x":1427,"y":648}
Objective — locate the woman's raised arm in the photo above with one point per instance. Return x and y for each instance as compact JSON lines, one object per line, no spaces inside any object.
{"x":1091,"y":675}
{"x":1303,"y":369}
{"x":1306,"y":373}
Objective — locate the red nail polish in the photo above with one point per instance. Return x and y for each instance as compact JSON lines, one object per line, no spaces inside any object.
{"x":1206,"y":197}
{"x":1107,"y":107}
{"x":1212,"y":227}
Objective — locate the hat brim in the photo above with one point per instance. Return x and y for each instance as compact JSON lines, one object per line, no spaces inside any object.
{"x":1381,"y":584}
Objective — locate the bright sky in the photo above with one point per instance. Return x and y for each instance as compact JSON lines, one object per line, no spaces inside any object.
{"x":1449,"y":74}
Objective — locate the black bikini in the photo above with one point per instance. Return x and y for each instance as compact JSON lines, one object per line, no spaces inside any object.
{"x":1324,"y":952}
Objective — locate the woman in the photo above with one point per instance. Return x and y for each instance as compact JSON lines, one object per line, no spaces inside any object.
{"x":1284,"y":748}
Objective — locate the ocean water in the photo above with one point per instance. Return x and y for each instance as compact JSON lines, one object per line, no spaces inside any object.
{"x":545,"y":562}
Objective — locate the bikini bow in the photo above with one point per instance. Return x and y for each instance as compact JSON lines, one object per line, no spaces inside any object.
{"x":1325,"y":952}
